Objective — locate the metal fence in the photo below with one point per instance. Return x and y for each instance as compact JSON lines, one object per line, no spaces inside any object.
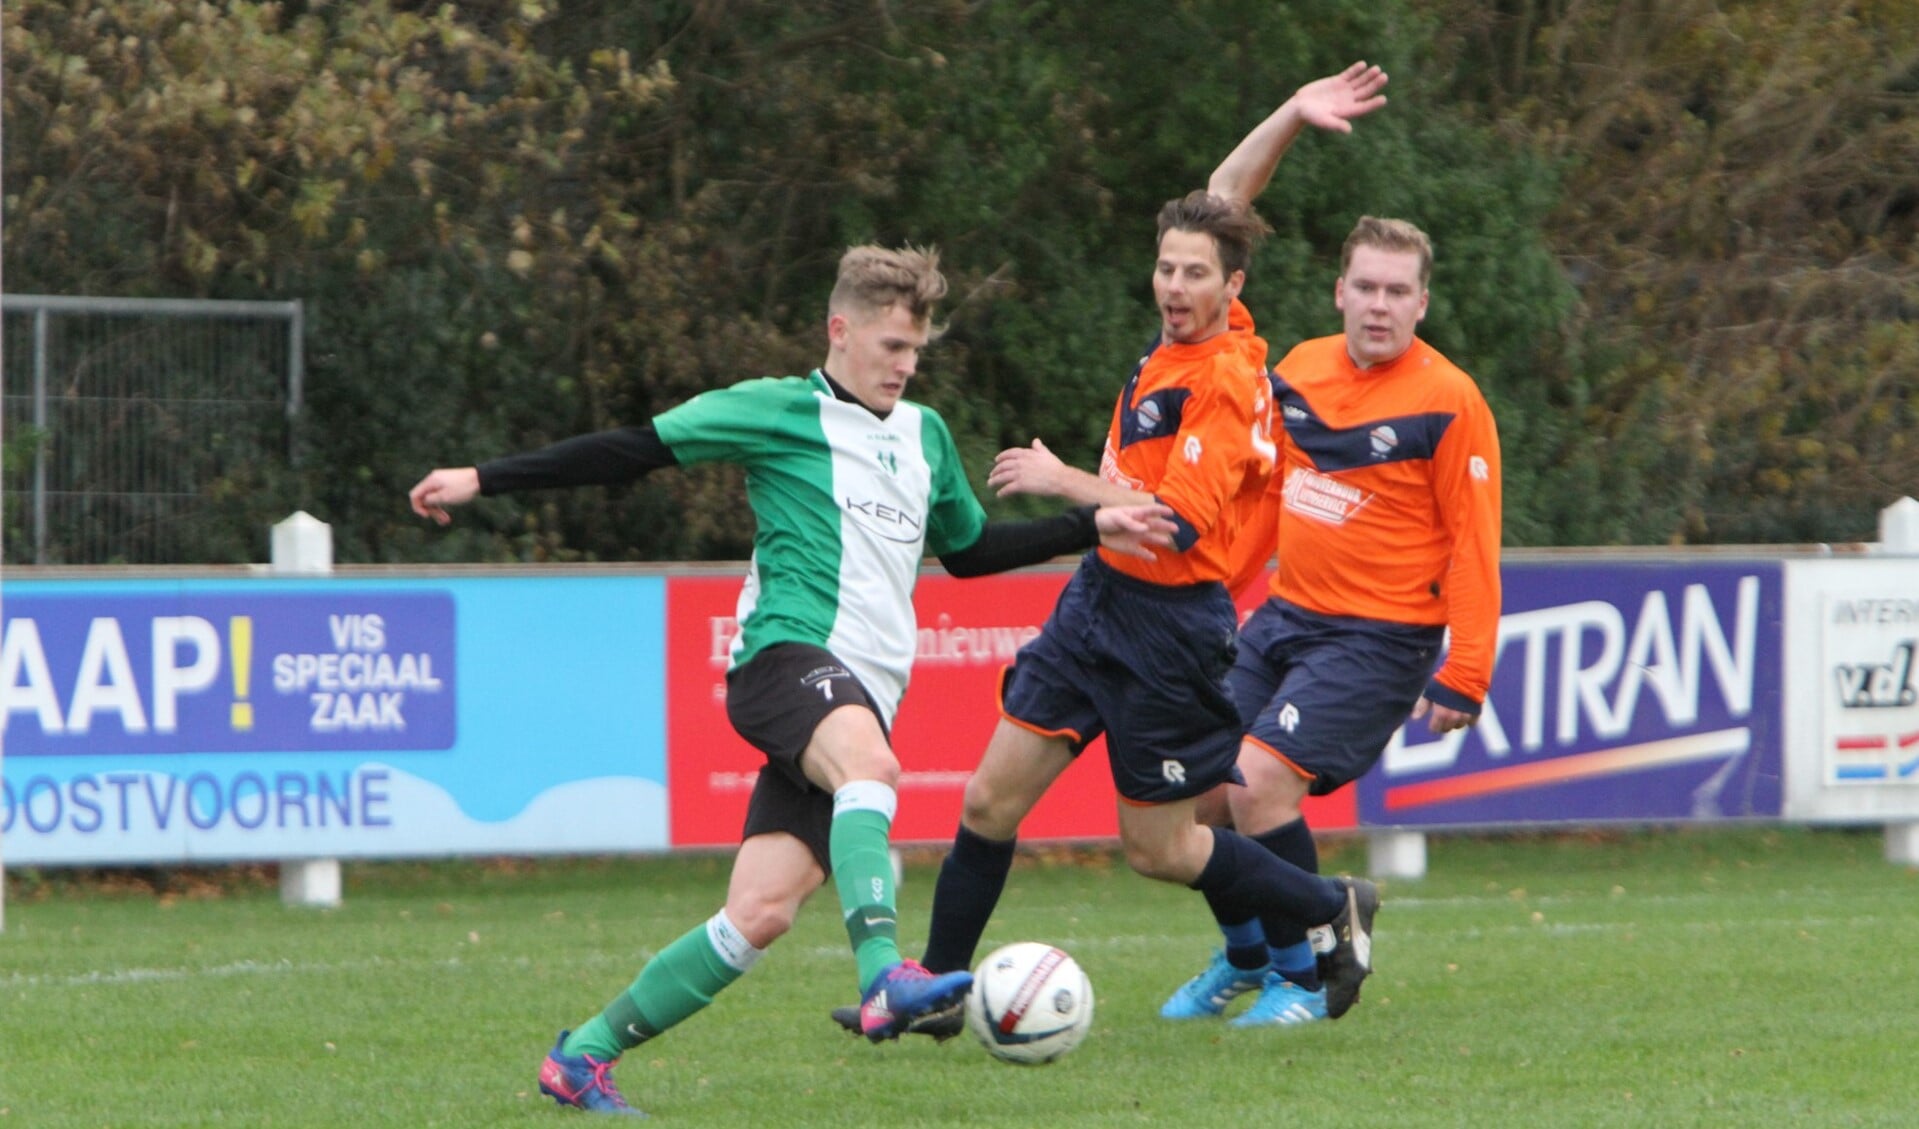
{"x":125,"y":419}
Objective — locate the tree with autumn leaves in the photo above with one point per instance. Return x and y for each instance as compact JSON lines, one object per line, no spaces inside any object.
{"x":1676,"y":240}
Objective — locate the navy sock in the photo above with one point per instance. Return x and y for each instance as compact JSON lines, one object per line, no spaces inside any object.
{"x":1291,"y":843}
{"x":968,"y":888}
{"x":1243,"y":880}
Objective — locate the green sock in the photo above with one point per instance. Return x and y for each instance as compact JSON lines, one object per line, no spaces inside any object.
{"x":863,"y":874}
{"x":683,"y":978}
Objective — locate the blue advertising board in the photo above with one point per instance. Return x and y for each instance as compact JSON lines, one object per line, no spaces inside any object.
{"x":331,"y":718}
{"x":341,"y":717}
{"x":1623,"y":692}
{"x":156,"y":674}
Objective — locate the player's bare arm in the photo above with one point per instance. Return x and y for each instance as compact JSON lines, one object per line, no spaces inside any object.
{"x":1330,"y":103}
{"x":446,"y":486}
{"x":1037,"y":470}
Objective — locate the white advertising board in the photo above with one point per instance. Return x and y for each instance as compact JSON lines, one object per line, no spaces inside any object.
{"x":1852,"y":702}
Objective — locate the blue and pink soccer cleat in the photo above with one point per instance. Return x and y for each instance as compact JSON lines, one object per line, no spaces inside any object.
{"x":904,"y":993}
{"x":582,"y":1081}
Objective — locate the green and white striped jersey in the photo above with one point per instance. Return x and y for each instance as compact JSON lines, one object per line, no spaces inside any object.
{"x":847,"y":505}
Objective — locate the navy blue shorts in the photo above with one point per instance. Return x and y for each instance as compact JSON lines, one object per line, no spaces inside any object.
{"x":1144,"y":664}
{"x":1326,"y":692}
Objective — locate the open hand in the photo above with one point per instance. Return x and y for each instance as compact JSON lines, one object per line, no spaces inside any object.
{"x":1027,"y":470}
{"x":1333,"y":102}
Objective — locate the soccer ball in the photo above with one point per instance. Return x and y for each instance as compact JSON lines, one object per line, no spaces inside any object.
{"x":1030,"y":1003}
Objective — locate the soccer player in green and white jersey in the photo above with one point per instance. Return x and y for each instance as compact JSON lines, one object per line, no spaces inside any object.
{"x":851,"y":486}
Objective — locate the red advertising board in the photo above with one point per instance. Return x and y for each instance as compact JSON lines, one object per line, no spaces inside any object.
{"x":969,"y":630}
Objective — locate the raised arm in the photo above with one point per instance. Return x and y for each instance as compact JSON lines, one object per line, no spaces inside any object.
{"x":1330,"y":103}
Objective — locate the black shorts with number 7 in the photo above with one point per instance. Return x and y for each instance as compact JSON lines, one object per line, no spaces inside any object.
{"x":775,"y":701}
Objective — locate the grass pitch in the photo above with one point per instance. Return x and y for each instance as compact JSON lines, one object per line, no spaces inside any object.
{"x":1729,"y":977}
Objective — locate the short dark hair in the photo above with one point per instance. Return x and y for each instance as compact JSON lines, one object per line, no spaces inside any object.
{"x":1235,"y":227}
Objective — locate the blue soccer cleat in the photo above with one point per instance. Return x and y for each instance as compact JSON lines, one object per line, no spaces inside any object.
{"x":904,"y":993}
{"x":582,"y":1081}
{"x":1206,"y":995}
{"x":1282,"y":1003}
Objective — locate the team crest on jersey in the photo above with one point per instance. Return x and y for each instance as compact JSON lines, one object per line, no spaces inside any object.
{"x":1384,"y":440}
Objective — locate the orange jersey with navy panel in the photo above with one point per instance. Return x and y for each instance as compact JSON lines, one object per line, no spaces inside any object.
{"x":1386,"y":502}
{"x":1193,"y":428}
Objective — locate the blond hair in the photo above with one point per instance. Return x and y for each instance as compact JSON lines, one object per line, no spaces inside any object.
{"x":874,"y":278}
{"x":1389,"y":235}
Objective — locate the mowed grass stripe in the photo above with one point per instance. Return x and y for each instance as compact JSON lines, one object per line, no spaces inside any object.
{"x":1736,"y":977}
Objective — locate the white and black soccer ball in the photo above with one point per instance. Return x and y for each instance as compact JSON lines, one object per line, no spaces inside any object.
{"x":1030,"y":1003}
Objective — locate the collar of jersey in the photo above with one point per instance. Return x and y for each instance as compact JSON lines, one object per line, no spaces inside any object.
{"x":1413,"y":355}
{"x":845,"y":397}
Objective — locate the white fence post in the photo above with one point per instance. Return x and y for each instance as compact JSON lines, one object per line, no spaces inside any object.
{"x":1392,"y":853}
{"x":1899,"y":537}
{"x":1899,"y":528}
{"x":303,"y":545}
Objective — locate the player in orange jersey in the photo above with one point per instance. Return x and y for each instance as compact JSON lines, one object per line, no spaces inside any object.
{"x":1386,"y":513}
{"x":1139,"y":651}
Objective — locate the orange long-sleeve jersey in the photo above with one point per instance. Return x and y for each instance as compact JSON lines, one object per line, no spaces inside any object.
{"x":1386,"y":501}
{"x":1193,"y":428}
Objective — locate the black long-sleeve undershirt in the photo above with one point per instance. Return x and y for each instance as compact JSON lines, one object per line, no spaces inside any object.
{"x":1004,"y":545}
{"x":602,"y":458}
{"x":627,"y":454}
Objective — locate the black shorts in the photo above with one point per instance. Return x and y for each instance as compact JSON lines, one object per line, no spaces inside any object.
{"x":776,"y":700}
{"x":1326,"y":692}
